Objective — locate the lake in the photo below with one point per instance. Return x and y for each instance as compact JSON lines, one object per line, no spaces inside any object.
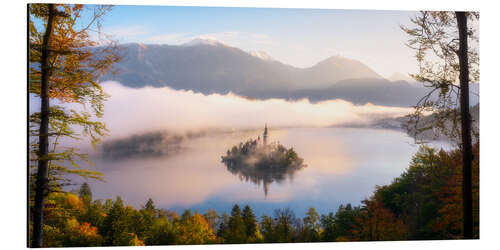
{"x":343,"y":166}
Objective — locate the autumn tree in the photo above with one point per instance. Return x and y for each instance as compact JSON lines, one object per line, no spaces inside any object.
{"x":449,"y":222}
{"x":193,"y":229}
{"x":64,"y":65}
{"x":311,"y":225}
{"x":345,"y":222}
{"x":81,"y":235}
{"x":378,"y":223}
{"x":160,"y":233}
{"x":423,"y":203}
{"x":446,"y":49}
{"x":211,"y":217}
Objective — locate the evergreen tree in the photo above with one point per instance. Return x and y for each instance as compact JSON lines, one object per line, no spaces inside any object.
{"x":345,"y":221}
{"x":236,"y":232}
{"x":267,"y":225}
{"x":250,"y":223}
{"x":86,"y":193}
{"x":150,"y":205}
{"x":117,"y":226}
{"x":95,"y":214}
{"x":223,"y":222}
{"x":328,"y":225}
{"x":160,"y":233}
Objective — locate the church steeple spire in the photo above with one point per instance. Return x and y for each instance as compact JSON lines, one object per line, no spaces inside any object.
{"x":265,"y":135}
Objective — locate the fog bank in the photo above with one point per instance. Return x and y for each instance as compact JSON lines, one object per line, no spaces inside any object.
{"x":134,"y":111}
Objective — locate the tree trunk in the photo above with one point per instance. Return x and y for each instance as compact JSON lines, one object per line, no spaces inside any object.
{"x":42,"y":173}
{"x":466,"y":126}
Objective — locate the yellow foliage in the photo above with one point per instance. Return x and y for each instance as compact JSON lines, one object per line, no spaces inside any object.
{"x":194,"y":230}
{"x":135,"y":241}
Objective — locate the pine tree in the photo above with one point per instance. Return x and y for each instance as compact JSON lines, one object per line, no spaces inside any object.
{"x":223,"y":225}
{"x":267,"y":227}
{"x":150,"y":205}
{"x":236,"y":232}
{"x":250,"y":223}
{"x":86,"y":194}
{"x":328,"y":225}
{"x":117,"y":226}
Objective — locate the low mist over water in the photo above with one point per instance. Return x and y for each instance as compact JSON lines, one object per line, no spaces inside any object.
{"x":132,"y":111}
{"x":343,"y":165}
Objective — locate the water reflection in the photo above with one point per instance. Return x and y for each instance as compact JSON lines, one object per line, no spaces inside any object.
{"x":153,"y":144}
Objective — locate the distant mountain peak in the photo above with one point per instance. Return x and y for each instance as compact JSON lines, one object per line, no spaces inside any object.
{"x":204,"y":41}
{"x":341,"y":68}
{"x":397,"y":76}
{"x":262,"y":55}
{"x":340,"y":60}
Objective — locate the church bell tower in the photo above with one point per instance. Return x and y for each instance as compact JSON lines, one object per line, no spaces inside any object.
{"x":265,"y":135}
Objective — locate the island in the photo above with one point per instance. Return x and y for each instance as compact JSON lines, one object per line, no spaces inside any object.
{"x":261,"y":162}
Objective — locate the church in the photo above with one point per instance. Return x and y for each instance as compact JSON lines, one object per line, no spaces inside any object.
{"x":264,"y":136}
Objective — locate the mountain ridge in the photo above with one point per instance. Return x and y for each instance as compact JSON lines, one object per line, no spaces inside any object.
{"x":213,"y":67}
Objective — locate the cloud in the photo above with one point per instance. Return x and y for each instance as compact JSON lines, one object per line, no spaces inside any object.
{"x":130,"y":111}
{"x":171,"y":39}
{"x":125,"y":32}
{"x":238,"y":37}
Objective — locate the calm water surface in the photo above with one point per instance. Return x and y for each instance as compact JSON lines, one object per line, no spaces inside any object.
{"x":343,"y":166}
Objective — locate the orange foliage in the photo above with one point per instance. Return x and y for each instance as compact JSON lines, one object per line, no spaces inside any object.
{"x":378,"y":223}
{"x":82,"y":235}
{"x":195,"y":230}
{"x":450,"y":220}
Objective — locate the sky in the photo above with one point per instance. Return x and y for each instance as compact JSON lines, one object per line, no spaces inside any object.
{"x":298,"y":37}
